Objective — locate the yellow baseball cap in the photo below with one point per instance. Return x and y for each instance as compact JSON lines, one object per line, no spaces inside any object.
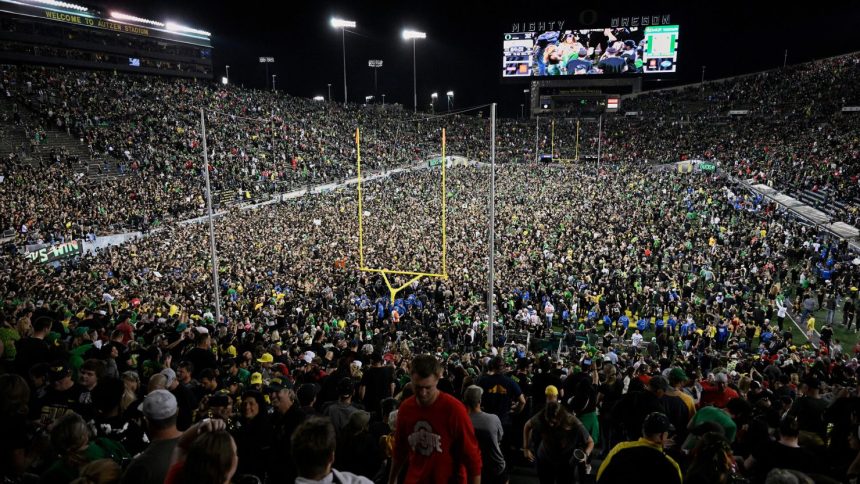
{"x":551,"y":390}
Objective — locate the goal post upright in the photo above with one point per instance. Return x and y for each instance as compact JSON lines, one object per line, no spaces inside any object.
{"x":414,"y":275}
{"x":444,"y":209}
{"x":360,"y":210}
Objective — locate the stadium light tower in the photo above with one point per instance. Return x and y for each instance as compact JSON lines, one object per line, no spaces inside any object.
{"x":433,"y":98}
{"x":273,"y":82}
{"x":267,"y":61}
{"x":329,"y":92}
{"x":225,"y":81}
{"x":343,"y":25}
{"x":414,"y":35}
{"x":375,"y":64}
{"x":450,"y":95}
{"x":227,"y":68}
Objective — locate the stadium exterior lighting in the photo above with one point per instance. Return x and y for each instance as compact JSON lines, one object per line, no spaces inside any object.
{"x":367,"y":99}
{"x":132,"y":18}
{"x":319,"y":99}
{"x":225,"y":81}
{"x":55,"y":3}
{"x":343,"y":25}
{"x":175,"y":27}
{"x":267,"y":61}
{"x":450,"y":95}
{"x":413,"y":35}
{"x":434,"y":96}
{"x":227,"y":68}
{"x":375,"y":64}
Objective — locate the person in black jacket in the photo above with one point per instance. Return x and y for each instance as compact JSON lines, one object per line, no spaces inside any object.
{"x":643,"y":459}
{"x":254,"y":436}
{"x":287,"y":417}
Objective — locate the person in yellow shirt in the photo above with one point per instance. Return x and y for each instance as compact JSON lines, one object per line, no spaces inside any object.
{"x":810,"y":327}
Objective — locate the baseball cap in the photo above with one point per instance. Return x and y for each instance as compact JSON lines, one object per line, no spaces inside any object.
{"x":159,"y":405}
{"x":219,"y":400}
{"x":678,"y":375}
{"x":170,"y":375}
{"x":58,"y":371}
{"x":256,"y":378}
{"x":279,"y":384}
{"x":266,"y":358}
{"x":551,"y":390}
{"x":656,"y":423}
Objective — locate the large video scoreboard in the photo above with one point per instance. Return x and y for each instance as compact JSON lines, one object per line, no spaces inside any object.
{"x":650,"y":50}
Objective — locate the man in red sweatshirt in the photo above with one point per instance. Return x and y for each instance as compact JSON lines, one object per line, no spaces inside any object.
{"x":434,"y":435}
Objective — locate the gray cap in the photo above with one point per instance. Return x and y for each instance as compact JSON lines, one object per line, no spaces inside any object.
{"x":159,"y":405}
{"x":171,"y":376}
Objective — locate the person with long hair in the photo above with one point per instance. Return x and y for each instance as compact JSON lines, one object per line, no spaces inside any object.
{"x":212,"y":459}
{"x":713,"y":462}
{"x":205,"y":454}
{"x":102,"y":471}
{"x":565,"y":445}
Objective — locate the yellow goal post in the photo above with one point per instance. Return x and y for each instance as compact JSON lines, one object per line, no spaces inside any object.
{"x":414,"y":276}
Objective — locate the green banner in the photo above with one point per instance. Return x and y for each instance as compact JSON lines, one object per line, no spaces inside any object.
{"x":57,"y":252}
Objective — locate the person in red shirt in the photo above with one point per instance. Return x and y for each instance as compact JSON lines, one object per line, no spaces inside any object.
{"x":124,"y":326}
{"x":434,"y":435}
{"x":717,"y":393}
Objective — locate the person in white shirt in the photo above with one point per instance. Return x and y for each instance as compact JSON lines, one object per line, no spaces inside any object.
{"x":637,"y":339}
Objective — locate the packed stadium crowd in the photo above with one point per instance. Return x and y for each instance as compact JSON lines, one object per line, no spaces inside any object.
{"x":649,"y":324}
{"x":794,"y":135}
{"x":669,"y":293}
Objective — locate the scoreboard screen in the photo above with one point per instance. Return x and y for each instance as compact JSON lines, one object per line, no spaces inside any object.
{"x":640,"y":50}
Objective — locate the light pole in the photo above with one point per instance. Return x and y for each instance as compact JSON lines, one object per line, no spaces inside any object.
{"x":375,"y":64}
{"x":267,"y":61}
{"x":523,"y":111}
{"x":433,"y":98}
{"x":343,"y":25}
{"x":414,"y":35}
{"x":227,"y":68}
{"x":329,"y":92}
{"x":273,"y":82}
{"x":383,"y":100}
{"x":525,"y":99}
{"x":450,"y":96}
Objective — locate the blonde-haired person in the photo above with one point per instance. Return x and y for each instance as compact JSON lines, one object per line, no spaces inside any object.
{"x":132,"y":386}
{"x":102,"y":471}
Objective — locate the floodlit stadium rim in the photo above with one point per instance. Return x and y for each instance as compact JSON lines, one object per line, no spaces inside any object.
{"x":385,"y":272}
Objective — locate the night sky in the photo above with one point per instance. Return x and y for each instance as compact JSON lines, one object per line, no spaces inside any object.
{"x":462,"y":51}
